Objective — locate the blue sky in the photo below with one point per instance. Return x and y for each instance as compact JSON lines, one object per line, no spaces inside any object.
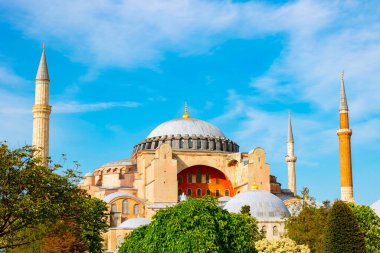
{"x":119,"y":68}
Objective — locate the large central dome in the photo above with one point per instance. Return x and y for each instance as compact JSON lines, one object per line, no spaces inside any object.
{"x":186,"y":126}
{"x":187,"y":134}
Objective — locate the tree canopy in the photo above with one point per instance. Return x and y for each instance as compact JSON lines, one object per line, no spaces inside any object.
{"x":369,"y":224}
{"x":342,"y":232}
{"x":308,"y":226}
{"x":283,"y":245}
{"x":36,"y":202}
{"x":195,"y":225}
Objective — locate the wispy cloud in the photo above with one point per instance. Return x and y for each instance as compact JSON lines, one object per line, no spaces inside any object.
{"x":8,"y":78}
{"x":131,"y":33}
{"x":75,"y":107}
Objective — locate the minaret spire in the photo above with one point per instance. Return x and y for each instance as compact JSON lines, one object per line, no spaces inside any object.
{"x":344,"y":135}
{"x":41,"y":110}
{"x":343,"y":100}
{"x":291,"y":159}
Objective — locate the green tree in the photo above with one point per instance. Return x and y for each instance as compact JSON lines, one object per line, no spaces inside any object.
{"x":343,"y":233}
{"x":369,"y":224}
{"x":283,"y":245}
{"x":246,"y":210}
{"x":34,"y":199}
{"x":195,"y":225}
{"x":307,"y":227}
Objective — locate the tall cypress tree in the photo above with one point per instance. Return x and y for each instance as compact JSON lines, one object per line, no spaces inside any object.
{"x":343,"y":233}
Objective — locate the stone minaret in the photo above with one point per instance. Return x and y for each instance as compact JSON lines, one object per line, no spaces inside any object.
{"x":344,"y":135}
{"x":41,"y":110}
{"x":291,"y":159}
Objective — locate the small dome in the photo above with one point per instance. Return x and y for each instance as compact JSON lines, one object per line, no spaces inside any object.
{"x":376,"y":207}
{"x":264,"y":205}
{"x":184,"y":126}
{"x":134,"y":223}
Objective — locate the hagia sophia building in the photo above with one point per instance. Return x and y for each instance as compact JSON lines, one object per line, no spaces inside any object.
{"x":188,"y":157}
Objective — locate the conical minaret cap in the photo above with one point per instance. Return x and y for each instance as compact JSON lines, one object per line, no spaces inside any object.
{"x":343,"y":107}
{"x":43,"y":73}
{"x":290,"y":130}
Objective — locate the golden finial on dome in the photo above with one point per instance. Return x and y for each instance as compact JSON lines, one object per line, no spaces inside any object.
{"x":254,"y":186}
{"x":186,"y":113}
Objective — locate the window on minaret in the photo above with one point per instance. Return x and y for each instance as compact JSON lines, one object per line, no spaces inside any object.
{"x":227,"y":193}
{"x":199,"y":176}
{"x":189,"y":178}
{"x":217,"y":194}
{"x":125,"y":207}
{"x":199,"y":193}
{"x":189,"y":192}
{"x":180,"y":181}
{"x":207,"y":178}
{"x":190,"y":143}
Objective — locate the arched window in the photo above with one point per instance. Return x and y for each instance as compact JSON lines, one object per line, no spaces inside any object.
{"x":179,"y":192}
{"x":189,"y":178}
{"x":226,"y":192}
{"x":181,"y":142}
{"x":208,"y":192}
{"x":199,"y":193}
{"x":113,"y":208}
{"x":180,"y":181}
{"x":190,"y":143}
{"x":199,"y":144}
{"x":264,"y":230}
{"x":207,"y":178}
{"x":217,"y":194}
{"x":189,"y":192}
{"x":275,"y":231}
{"x":199,"y":176}
{"x":125,"y":207}
{"x":136,"y":209}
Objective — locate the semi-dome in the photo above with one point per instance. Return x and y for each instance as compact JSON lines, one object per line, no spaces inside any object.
{"x":187,"y":126}
{"x":376,"y":207}
{"x":187,"y":133}
{"x":263,"y":205}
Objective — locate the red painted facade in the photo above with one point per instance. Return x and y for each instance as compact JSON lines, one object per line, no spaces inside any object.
{"x":198,"y":181}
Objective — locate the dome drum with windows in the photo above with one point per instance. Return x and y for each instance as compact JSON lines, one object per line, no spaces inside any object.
{"x":188,"y":134}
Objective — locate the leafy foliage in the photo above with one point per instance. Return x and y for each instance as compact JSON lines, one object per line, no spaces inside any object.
{"x":246,"y":210}
{"x":308,"y":226}
{"x":195,"y":225}
{"x":343,"y":233}
{"x":369,"y":224}
{"x":35,"y":202}
{"x":283,"y":245}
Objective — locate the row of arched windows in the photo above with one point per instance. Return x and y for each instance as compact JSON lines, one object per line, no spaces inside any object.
{"x":125,"y":208}
{"x":274,"y":231}
{"x":189,"y":192}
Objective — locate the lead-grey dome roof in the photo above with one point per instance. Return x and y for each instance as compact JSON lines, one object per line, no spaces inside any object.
{"x":189,"y":126}
{"x":264,"y":205}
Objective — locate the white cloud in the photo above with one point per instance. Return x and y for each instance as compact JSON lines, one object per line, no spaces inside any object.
{"x":130,"y":33}
{"x":75,"y":107}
